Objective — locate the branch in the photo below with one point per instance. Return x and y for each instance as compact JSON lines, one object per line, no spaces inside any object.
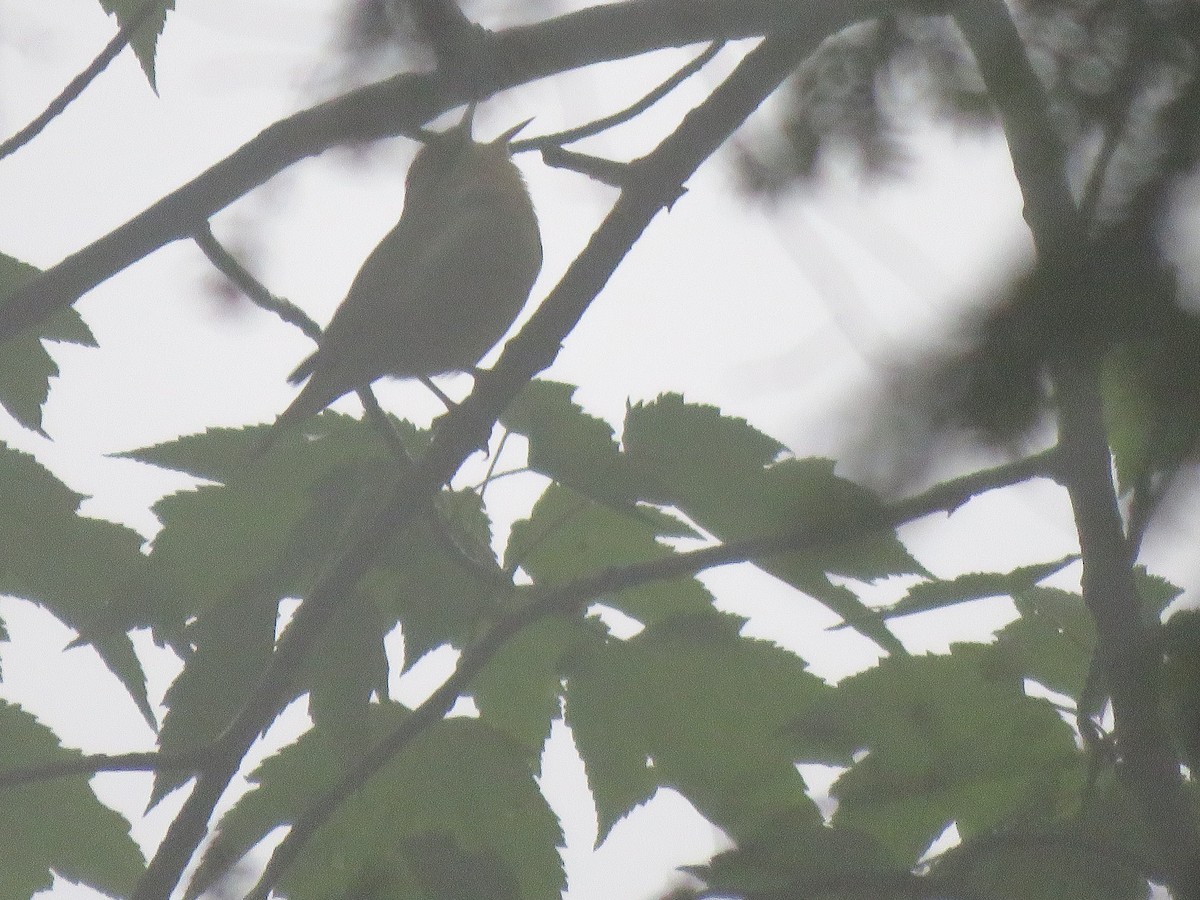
{"x":255,"y":290}
{"x":151,"y":761}
{"x":574,"y":596}
{"x":632,"y":111}
{"x":1123,"y":645}
{"x":401,"y":104}
{"x":656,"y":183}
{"x":79,"y":83}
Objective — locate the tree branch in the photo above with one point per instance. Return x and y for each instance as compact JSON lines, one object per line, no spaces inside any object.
{"x":80,"y":82}
{"x":656,"y":183}
{"x":401,"y":104}
{"x":1124,"y":646}
{"x":574,"y":596}
{"x":632,"y":111}
{"x":150,"y":761}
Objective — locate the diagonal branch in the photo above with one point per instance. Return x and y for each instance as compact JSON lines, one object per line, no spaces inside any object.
{"x":575,"y":595}
{"x":80,"y":82}
{"x":148,"y":761}
{"x":655,"y":183}
{"x":1124,"y":645}
{"x":401,"y":104}
{"x":630,"y":112}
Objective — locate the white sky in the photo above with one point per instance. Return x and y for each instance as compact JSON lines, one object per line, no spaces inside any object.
{"x":783,"y":316}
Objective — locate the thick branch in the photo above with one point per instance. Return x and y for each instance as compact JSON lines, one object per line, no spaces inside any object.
{"x":1123,"y":644}
{"x":403,"y":103}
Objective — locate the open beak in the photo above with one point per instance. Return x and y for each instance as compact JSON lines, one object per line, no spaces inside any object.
{"x":512,"y":132}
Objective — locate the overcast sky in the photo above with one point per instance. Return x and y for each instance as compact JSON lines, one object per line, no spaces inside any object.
{"x":786,"y":315}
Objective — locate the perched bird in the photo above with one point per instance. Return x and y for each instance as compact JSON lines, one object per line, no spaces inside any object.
{"x":443,"y":286}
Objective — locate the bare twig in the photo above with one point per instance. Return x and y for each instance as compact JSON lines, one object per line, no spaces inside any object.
{"x":228,"y":266}
{"x":150,"y":761}
{"x":606,"y":171}
{"x":603,"y":124}
{"x":79,"y":83}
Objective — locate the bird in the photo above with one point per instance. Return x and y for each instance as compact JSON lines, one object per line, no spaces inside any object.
{"x":442,"y":287}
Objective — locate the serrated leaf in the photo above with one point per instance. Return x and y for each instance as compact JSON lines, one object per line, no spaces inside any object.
{"x":1053,"y":640}
{"x":726,"y":477}
{"x":690,"y":704}
{"x":145,"y":39}
{"x":268,"y":529}
{"x":519,"y":691}
{"x":1067,"y":861}
{"x":25,"y":366}
{"x":1156,"y":592}
{"x":569,"y":535}
{"x":930,"y":595}
{"x":791,"y":855}
{"x":460,"y":791}
{"x":230,"y":645}
{"x":570,"y":446}
{"x":438,"y":578}
{"x":346,"y":666}
{"x":948,"y":738}
{"x":57,"y":825}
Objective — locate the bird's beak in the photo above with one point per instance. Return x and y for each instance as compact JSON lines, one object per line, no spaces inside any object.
{"x":468,"y":119}
{"x":512,"y":132}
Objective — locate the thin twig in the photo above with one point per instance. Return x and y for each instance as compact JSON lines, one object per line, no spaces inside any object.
{"x":603,"y":124}
{"x":254,"y":289}
{"x":606,"y":171}
{"x":79,"y":83}
{"x":493,"y":462}
{"x":149,"y":761}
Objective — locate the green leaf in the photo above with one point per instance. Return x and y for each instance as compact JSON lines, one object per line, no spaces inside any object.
{"x":568,"y":536}
{"x":1052,"y":642}
{"x":440,"y":580}
{"x":930,"y":595}
{"x":569,"y":446}
{"x":1129,"y":418}
{"x":25,"y":366}
{"x":725,"y":476}
{"x":1068,"y":861}
{"x":57,"y":825}
{"x":519,"y":691}
{"x":230,"y":645}
{"x":268,"y":529}
{"x":947,"y":738}
{"x":1181,"y":682}
{"x":691,"y":705}
{"x":791,"y":855}
{"x":75,"y":567}
{"x":345,"y":667}
{"x":145,"y":39}
{"x":460,"y":792}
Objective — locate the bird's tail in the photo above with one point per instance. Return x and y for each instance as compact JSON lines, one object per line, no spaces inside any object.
{"x":310,"y":401}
